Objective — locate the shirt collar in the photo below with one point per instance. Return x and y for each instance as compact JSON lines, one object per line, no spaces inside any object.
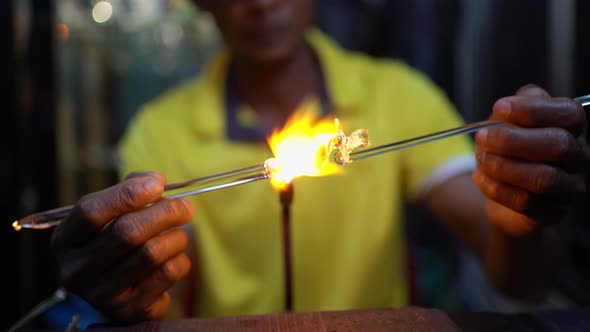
{"x":342,"y":88}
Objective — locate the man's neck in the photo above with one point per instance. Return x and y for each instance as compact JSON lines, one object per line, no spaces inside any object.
{"x":278,"y":88}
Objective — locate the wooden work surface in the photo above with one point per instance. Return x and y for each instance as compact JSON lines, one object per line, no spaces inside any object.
{"x":410,"y":319}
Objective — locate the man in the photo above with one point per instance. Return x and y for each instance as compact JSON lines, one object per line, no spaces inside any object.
{"x":347,"y":230}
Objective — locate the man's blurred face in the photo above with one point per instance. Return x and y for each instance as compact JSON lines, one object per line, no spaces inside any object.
{"x":262,"y":30}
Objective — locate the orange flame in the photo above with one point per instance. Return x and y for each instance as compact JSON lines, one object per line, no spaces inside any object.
{"x":301,"y":148}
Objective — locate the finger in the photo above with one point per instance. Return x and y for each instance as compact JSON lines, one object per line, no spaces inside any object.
{"x":532,"y":90}
{"x":529,"y":177}
{"x":551,"y":145}
{"x":95,"y":210}
{"x":140,"y":263}
{"x":155,"y":311}
{"x":538,"y":112}
{"x":518,"y":200}
{"x":120,"y":238}
{"x":134,"y":229}
{"x":133,"y":175}
{"x":152,"y":288}
{"x":514,"y":198}
{"x":511,"y":222}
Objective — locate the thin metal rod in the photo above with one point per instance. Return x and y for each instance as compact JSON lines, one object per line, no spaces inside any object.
{"x":52,"y":218}
{"x":238,"y":182}
{"x":286,"y":199}
{"x":213,"y":177}
{"x":415,"y":141}
{"x":584,"y":100}
{"x":200,"y":185}
{"x":432,"y":137}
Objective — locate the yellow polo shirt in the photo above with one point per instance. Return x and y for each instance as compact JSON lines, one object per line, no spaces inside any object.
{"x":347,"y":230}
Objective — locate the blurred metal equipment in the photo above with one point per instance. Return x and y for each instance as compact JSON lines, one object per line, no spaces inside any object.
{"x":112,"y":58}
{"x":471,"y":57}
{"x":34,"y":145}
{"x":58,"y":296}
{"x":9,"y":166}
{"x":73,"y":326}
{"x":562,"y":43}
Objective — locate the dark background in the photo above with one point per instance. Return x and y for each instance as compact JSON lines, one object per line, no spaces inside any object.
{"x":477,"y":51}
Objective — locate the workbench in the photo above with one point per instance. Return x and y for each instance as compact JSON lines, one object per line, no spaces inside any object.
{"x":409,"y":319}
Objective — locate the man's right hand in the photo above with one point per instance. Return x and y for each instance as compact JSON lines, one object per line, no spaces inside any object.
{"x":121,"y":256}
